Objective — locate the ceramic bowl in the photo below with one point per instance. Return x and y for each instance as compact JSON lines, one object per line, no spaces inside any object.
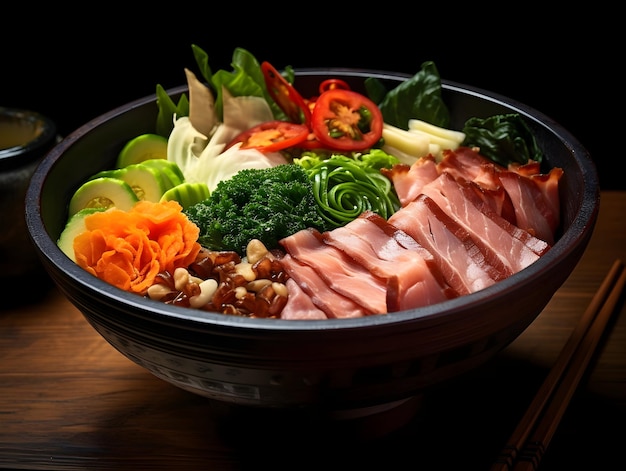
{"x":352,"y":366}
{"x":25,"y":137}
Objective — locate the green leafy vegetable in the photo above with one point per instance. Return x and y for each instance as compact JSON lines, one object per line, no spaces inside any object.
{"x":167,"y":110}
{"x":345,"y":186}
{"x":502,"y":138}
{"x":245,"y":78}
{"x":418,"y":97}
{"x":266,"y":204}
{"x":202,"y":59}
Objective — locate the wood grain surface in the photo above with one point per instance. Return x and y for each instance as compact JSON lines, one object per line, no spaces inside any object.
{"x":68,"y":400}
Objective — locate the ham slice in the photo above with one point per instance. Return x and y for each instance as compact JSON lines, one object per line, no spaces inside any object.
{"x":519,"y":191}
{"x":515,"y":247}
{"x":299,"y":304}
{"x":533,"y":199}
{"x":413,"y":278}
{"x":333,"y":304}
{"x":409,"y":180}
{"x":468,"y":164}
{"x":548,"y":183}
{"x":342,"y":273}
{"x":534,"y":212}
{"x":467,"y":264}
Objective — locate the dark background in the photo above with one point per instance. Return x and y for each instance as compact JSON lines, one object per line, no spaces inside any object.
{"x":75,"y":69}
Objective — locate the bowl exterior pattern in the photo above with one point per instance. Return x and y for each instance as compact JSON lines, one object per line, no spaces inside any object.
{"x":333,"y":365}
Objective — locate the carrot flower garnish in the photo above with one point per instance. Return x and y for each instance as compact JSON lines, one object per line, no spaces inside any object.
{"x":128,"y":249}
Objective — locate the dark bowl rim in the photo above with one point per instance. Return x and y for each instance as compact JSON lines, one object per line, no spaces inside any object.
{"x":569,"y":241}
{"x":48,"y":130}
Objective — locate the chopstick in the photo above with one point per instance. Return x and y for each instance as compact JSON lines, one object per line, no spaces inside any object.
{"x":524,"y":451}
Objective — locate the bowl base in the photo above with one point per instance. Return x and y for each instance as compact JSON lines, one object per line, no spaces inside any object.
{"x":361,"y":424}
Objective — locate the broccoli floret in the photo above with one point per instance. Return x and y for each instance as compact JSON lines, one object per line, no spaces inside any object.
{"x":266,"y":204}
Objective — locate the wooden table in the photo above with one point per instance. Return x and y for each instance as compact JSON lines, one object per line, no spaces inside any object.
{"x":68,"y":400}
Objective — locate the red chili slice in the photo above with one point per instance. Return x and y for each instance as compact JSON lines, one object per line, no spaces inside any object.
{"x":310,"y":143}
{"x":331,"y":84}
{"x":285,"y":95}
{"x":346,"y":120}
{"x":271,"y":136}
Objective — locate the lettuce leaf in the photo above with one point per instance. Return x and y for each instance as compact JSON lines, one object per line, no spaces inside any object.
{"x":245,"y":79}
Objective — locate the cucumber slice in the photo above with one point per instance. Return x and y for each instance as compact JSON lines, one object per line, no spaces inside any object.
{"x":75,"y":225}
{"x":148,"y":179}
{"x":103,"y":192}
{"x":106,"y":173}
{"x":141,"y":148}
{"x":169,"y":169}
{"x":148,"y":183}
{"x":187,"y":194}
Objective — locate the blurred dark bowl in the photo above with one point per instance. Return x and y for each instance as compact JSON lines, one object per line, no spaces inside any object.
{"x":351,"y":366}
{"x":25,"y":137}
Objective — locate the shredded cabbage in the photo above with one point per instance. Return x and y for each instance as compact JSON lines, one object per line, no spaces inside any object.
{"x":203,"y":159}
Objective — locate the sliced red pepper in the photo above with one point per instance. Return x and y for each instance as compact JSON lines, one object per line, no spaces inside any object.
{"x":285,"y":95}
{"x":346,"y":120}
{"x":310,"y":143}
{"x":272,"y":136}
{"x":332,"y":83}
{"x":328,"y":84}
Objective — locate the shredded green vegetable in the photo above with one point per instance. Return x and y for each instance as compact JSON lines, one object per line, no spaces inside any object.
{"x":344,"y":186}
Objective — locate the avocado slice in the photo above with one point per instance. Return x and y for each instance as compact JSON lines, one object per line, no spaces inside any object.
{"x":143,"y":147}
{"x":75,"y":226}
{"x":103,"y":192}
{"x":187,"y":193}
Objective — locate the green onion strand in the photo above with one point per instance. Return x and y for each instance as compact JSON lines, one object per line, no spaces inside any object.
{"x":343,"y":190}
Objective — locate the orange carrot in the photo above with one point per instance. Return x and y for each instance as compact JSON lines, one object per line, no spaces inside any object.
{"x":129,"y":248}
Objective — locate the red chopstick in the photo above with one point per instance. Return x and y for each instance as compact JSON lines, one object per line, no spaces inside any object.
{"x":530,"y":439}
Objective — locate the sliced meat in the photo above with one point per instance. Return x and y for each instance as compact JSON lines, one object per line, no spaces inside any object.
{"x":468,"y":164}
{"x":409,"y":180}
{"x":333,"y":304}
{"x":533,"y":212}
{"x":548,"y":184}
{"x":496,"y":198}
{"x":467,"y":264}
{"x":342,"y":273}
{"x":532,"y":199}
{"x":299,"y":305}
{"x":413,"y":279}
{"x":516,"y":248}
{"x":532,"y":167}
